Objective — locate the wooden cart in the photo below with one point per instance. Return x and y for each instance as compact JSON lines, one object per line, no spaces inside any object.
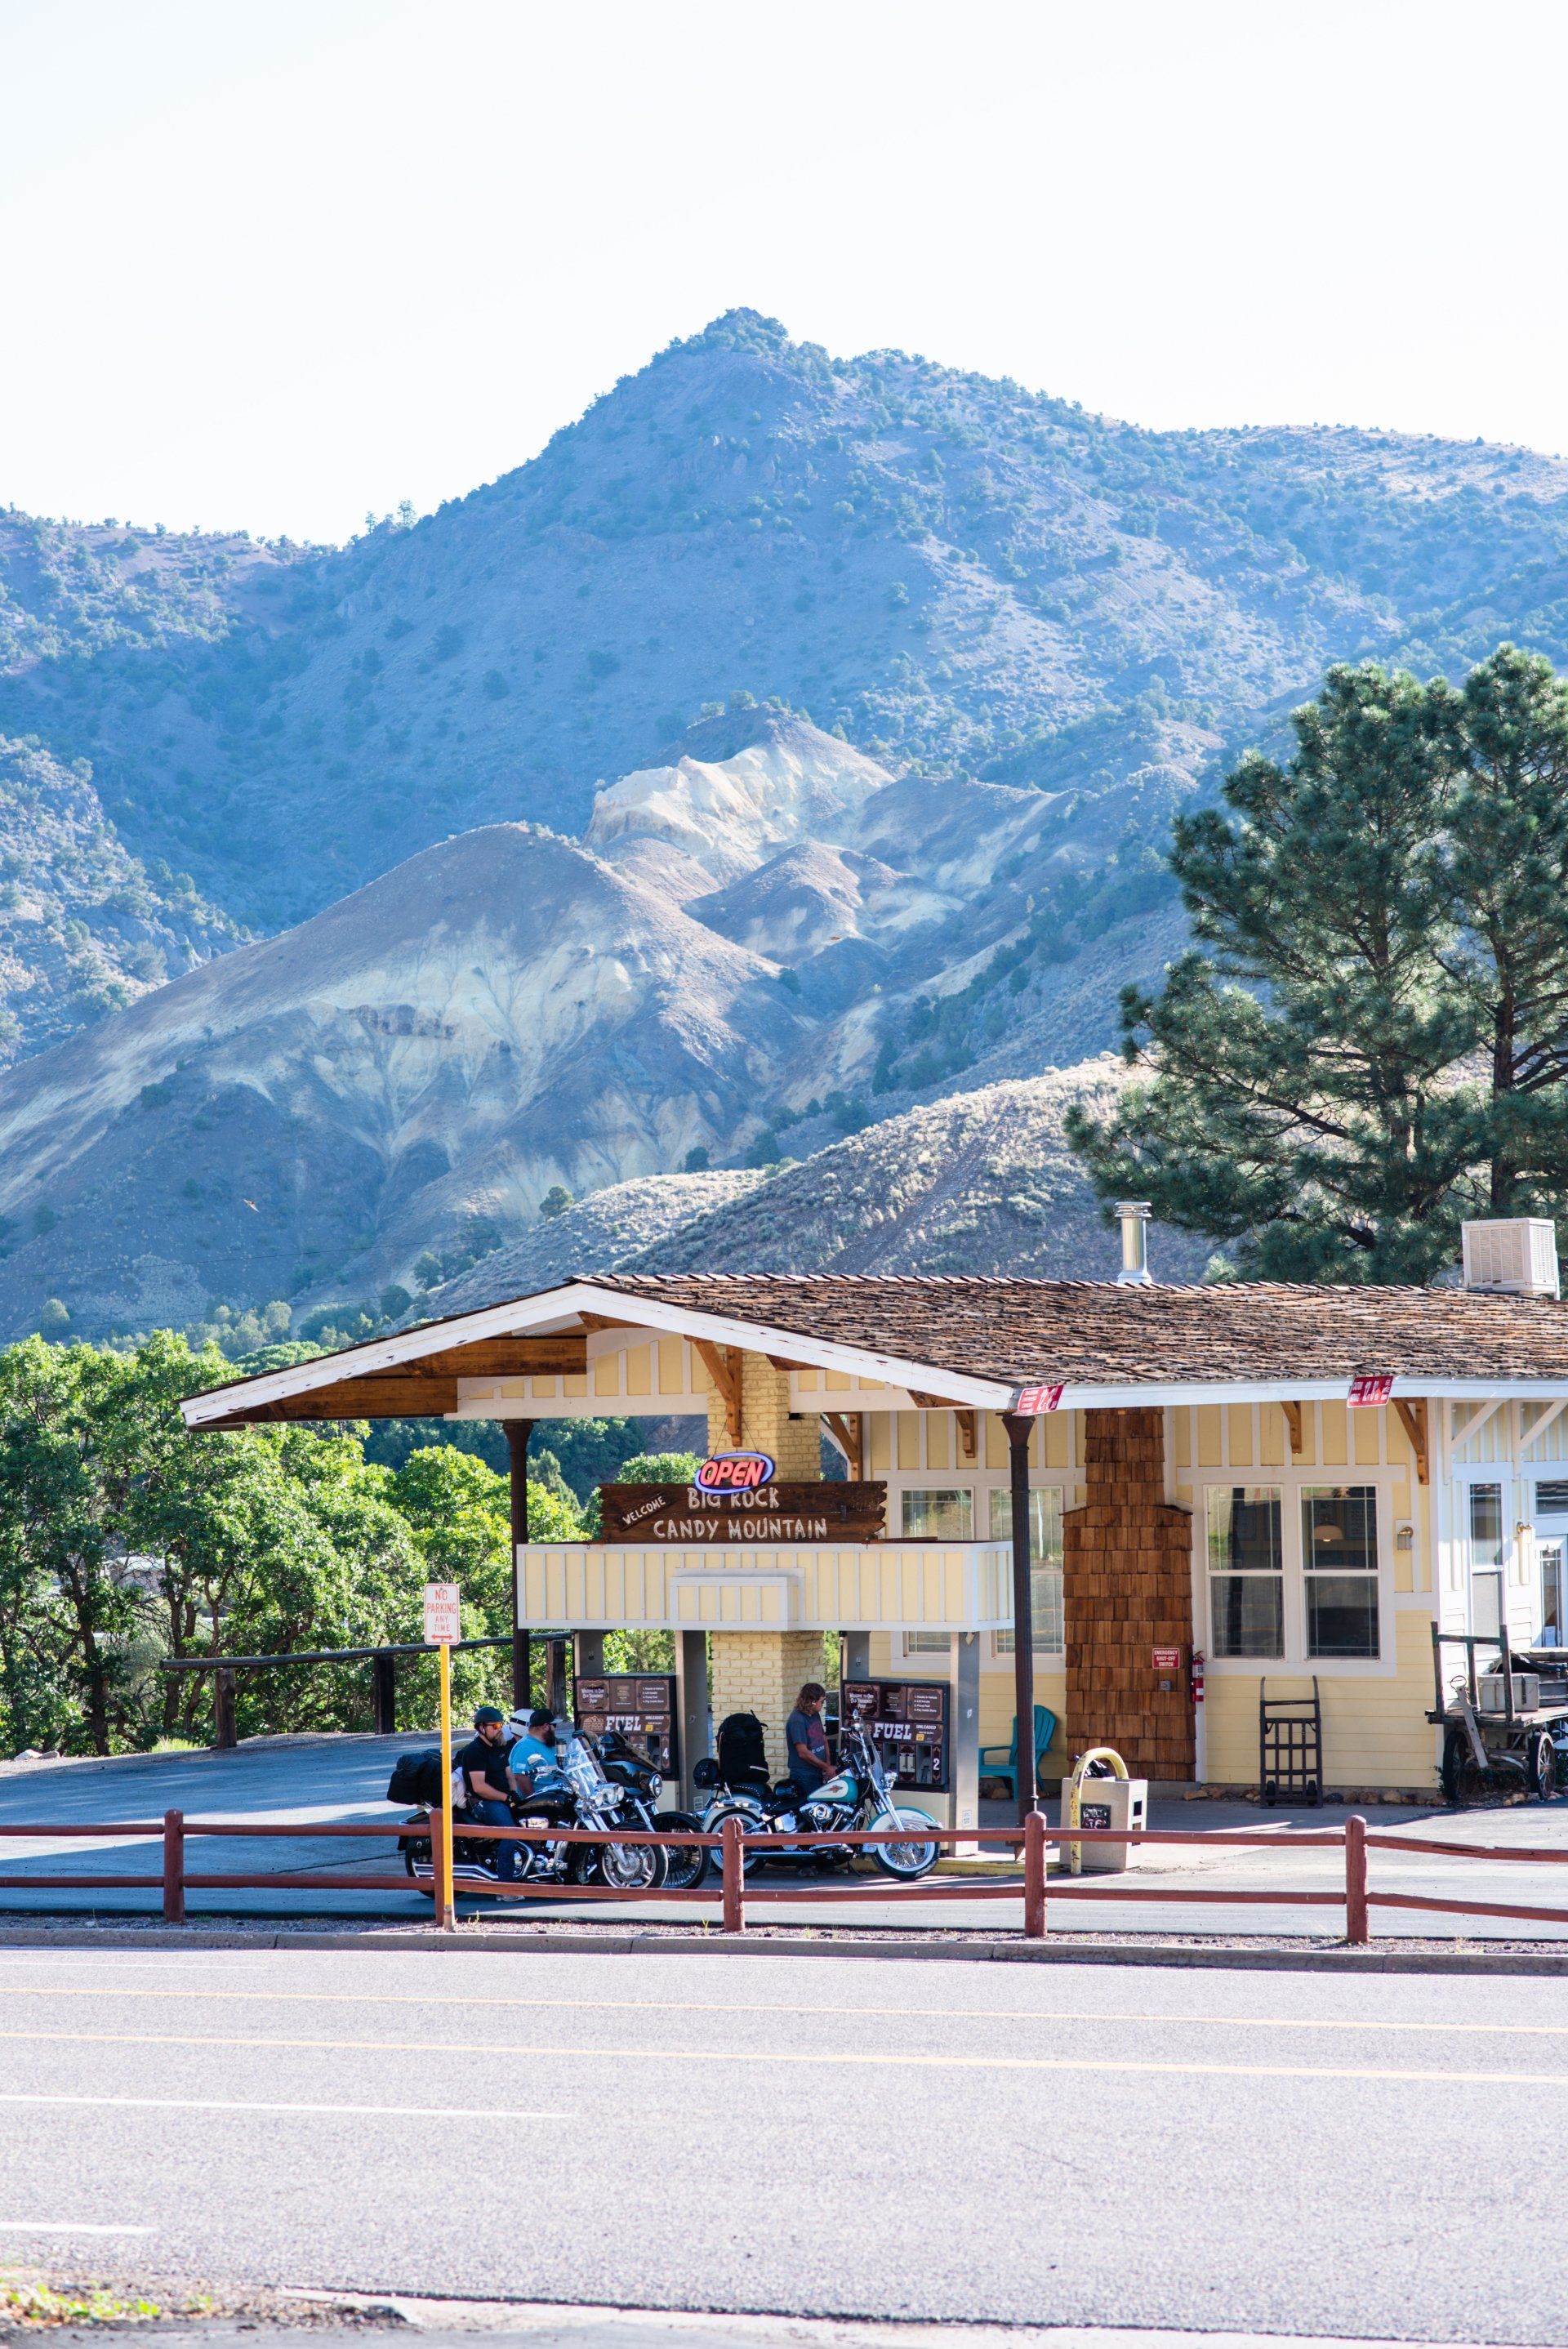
{"x":1507,"y":1748}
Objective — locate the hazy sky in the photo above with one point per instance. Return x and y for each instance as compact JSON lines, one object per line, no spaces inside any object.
{"x":269,"y":263}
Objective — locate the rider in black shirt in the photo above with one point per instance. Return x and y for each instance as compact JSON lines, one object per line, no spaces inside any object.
{"x":483,"y":1765}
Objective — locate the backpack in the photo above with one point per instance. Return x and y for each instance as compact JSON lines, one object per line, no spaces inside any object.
{"x":416,"y":1778}
{"x":742,"y":1754}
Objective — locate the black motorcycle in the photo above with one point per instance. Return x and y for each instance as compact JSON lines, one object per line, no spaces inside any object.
{"x":579,"y":1793}
{"x":685,"y":1865}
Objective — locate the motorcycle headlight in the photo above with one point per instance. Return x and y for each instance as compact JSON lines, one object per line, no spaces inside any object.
{"x":656,"y":1786}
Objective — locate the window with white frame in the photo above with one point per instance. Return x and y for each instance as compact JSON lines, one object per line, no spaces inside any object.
{"x":928,"y":1643}
{"x":1246,"y":1570}
{"x":1339,"y":1561}
{"x":938,"y":1513}
{"x":1486,"y":1560}
{"x":1045,"y":1564}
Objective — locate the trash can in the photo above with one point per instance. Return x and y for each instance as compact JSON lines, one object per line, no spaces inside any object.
{"x":1105,"y":1803}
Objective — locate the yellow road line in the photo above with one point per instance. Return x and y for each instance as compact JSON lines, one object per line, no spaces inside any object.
{"x":761,"y":2006}
{"x":858,"y":2058}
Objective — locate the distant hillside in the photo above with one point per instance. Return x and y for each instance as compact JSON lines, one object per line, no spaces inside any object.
{"x":502,"y":1014}
{"x":615,"y":1225}
{"x":982,"y":1182}
{"x":84,"y":928}
{"x":962,"y":576}
{"x":579,"y":893}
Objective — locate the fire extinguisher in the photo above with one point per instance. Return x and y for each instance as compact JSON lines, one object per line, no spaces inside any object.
{"x":1197,"y":1675}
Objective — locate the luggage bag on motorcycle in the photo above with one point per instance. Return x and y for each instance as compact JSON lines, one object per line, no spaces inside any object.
{"x":742,"y":1754}
{"x":416,"y":1778}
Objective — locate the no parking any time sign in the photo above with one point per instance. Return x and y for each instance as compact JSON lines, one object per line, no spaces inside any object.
{"x":443,"y":1620}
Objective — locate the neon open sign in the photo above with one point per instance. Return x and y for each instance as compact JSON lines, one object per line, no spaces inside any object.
{"x":735,"y":1472}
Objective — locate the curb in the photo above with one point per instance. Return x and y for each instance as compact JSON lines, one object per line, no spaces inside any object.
{"x":1282,"y":1959}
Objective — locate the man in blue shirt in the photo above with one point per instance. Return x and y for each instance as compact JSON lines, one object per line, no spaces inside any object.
{"x":806,"y":1741}
{"x":534,"y":1759}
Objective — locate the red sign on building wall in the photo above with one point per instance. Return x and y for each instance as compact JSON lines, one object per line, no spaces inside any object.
{"x":1370,"y":1390}
{"x":1032,"y":1401}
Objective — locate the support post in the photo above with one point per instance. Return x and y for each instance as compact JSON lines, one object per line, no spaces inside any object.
{"x":384,"y":1691}
{"x":691,"y":1704}
{"x":174,"y":1868}
{"x":1019,"y":1430}
{"x":734,"y":1875}
{"x":855,"y":1655}
{"x":517,"y":1431}
{"x":439,"y":1868}
{"x":588,"y":1657}
{"x":1355,"y":1880}
{"x":556,"y":1699}
{"x":225,"y":1734}
{"x":967,"y":1737}
{"x":1035,"y":1877}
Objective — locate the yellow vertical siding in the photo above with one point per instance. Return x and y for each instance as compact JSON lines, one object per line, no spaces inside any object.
{"x":1375,"y":1731}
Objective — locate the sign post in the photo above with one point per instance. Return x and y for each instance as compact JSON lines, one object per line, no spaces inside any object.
{"x":443,"y":1624}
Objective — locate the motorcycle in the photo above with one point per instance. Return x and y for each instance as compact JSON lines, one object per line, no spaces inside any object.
{"x":856,"y":1800}
{"x":685,"y":1865}
{"x":579,"y":1793}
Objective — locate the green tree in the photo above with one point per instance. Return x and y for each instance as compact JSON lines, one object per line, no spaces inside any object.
{"x":64,"y":1611}
{"x":1370,"y":1041}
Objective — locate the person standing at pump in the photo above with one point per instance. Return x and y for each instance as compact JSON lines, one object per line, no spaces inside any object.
{"x":806,"y":1741}
{"x":483,"y":1765}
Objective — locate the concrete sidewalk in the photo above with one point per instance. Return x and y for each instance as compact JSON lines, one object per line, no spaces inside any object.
{"x":310,"y":1780}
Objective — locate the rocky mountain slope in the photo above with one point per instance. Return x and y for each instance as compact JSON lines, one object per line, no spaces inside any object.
{"x":618,"y":1222}
{"x":319,"y":1117}
{"x":84,"y":928}
{"x":1027,"y":635}
{"x":981,"y":1181}
{"x":502,"y":1014}
{"x":962,"y":576}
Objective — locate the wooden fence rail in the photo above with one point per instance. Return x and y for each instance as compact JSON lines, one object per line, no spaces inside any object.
{"x":734,"y":1894}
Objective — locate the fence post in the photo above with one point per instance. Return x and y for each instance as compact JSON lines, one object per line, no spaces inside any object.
{"x":733,"y":1877}
{"x":174,"y":1868}
{"x":1355,"y":1880}
{"x":383,"y":1689}
{"x":223,"y":1730}
{"x":1035,"y":1877}
{"x":444,"y":1917}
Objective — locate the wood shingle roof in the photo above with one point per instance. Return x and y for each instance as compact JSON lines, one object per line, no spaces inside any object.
{"x":1094,"y":1333}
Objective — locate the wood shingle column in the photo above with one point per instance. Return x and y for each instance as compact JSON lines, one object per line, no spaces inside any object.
{"x":1127,"y":1589}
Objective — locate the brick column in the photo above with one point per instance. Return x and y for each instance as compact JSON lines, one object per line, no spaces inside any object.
{"x":762,"y":1671}
{"x":1126,"y":1588}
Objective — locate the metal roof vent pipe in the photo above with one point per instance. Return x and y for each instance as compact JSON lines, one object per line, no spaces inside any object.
{"x":1133,"y":1217}
{"x":1511,"y":1256}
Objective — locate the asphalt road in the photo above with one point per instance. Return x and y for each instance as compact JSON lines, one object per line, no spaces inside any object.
{"x":1277,"y":2153}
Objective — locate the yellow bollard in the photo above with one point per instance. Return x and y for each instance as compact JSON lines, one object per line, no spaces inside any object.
{"x":445,"y":1908}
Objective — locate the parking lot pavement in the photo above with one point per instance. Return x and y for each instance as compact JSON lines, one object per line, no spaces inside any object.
{"x":1258,"y":2154}
{"x":306,"y":1779}
{"x":344,"y":1779}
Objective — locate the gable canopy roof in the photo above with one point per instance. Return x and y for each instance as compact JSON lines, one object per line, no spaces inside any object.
{"x":959,"y":1339}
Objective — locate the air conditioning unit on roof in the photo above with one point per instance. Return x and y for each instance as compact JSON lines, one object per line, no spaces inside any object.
{"x":1516,"y":1256}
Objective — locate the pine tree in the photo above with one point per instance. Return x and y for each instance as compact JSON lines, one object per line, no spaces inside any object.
{"x":1370,"y":1041}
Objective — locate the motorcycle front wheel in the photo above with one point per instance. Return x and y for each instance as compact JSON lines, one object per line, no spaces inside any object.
{"x":750,"y":1823}
{"x":686,"y":1864}
{"x":905,"y":1860}
{"x":633,"y":1867}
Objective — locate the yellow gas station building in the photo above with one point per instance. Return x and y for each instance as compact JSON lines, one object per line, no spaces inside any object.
{"x":1222,"y":1487}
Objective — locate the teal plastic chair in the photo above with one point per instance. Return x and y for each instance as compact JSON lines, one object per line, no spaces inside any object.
{"x":1045,"y":1730}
